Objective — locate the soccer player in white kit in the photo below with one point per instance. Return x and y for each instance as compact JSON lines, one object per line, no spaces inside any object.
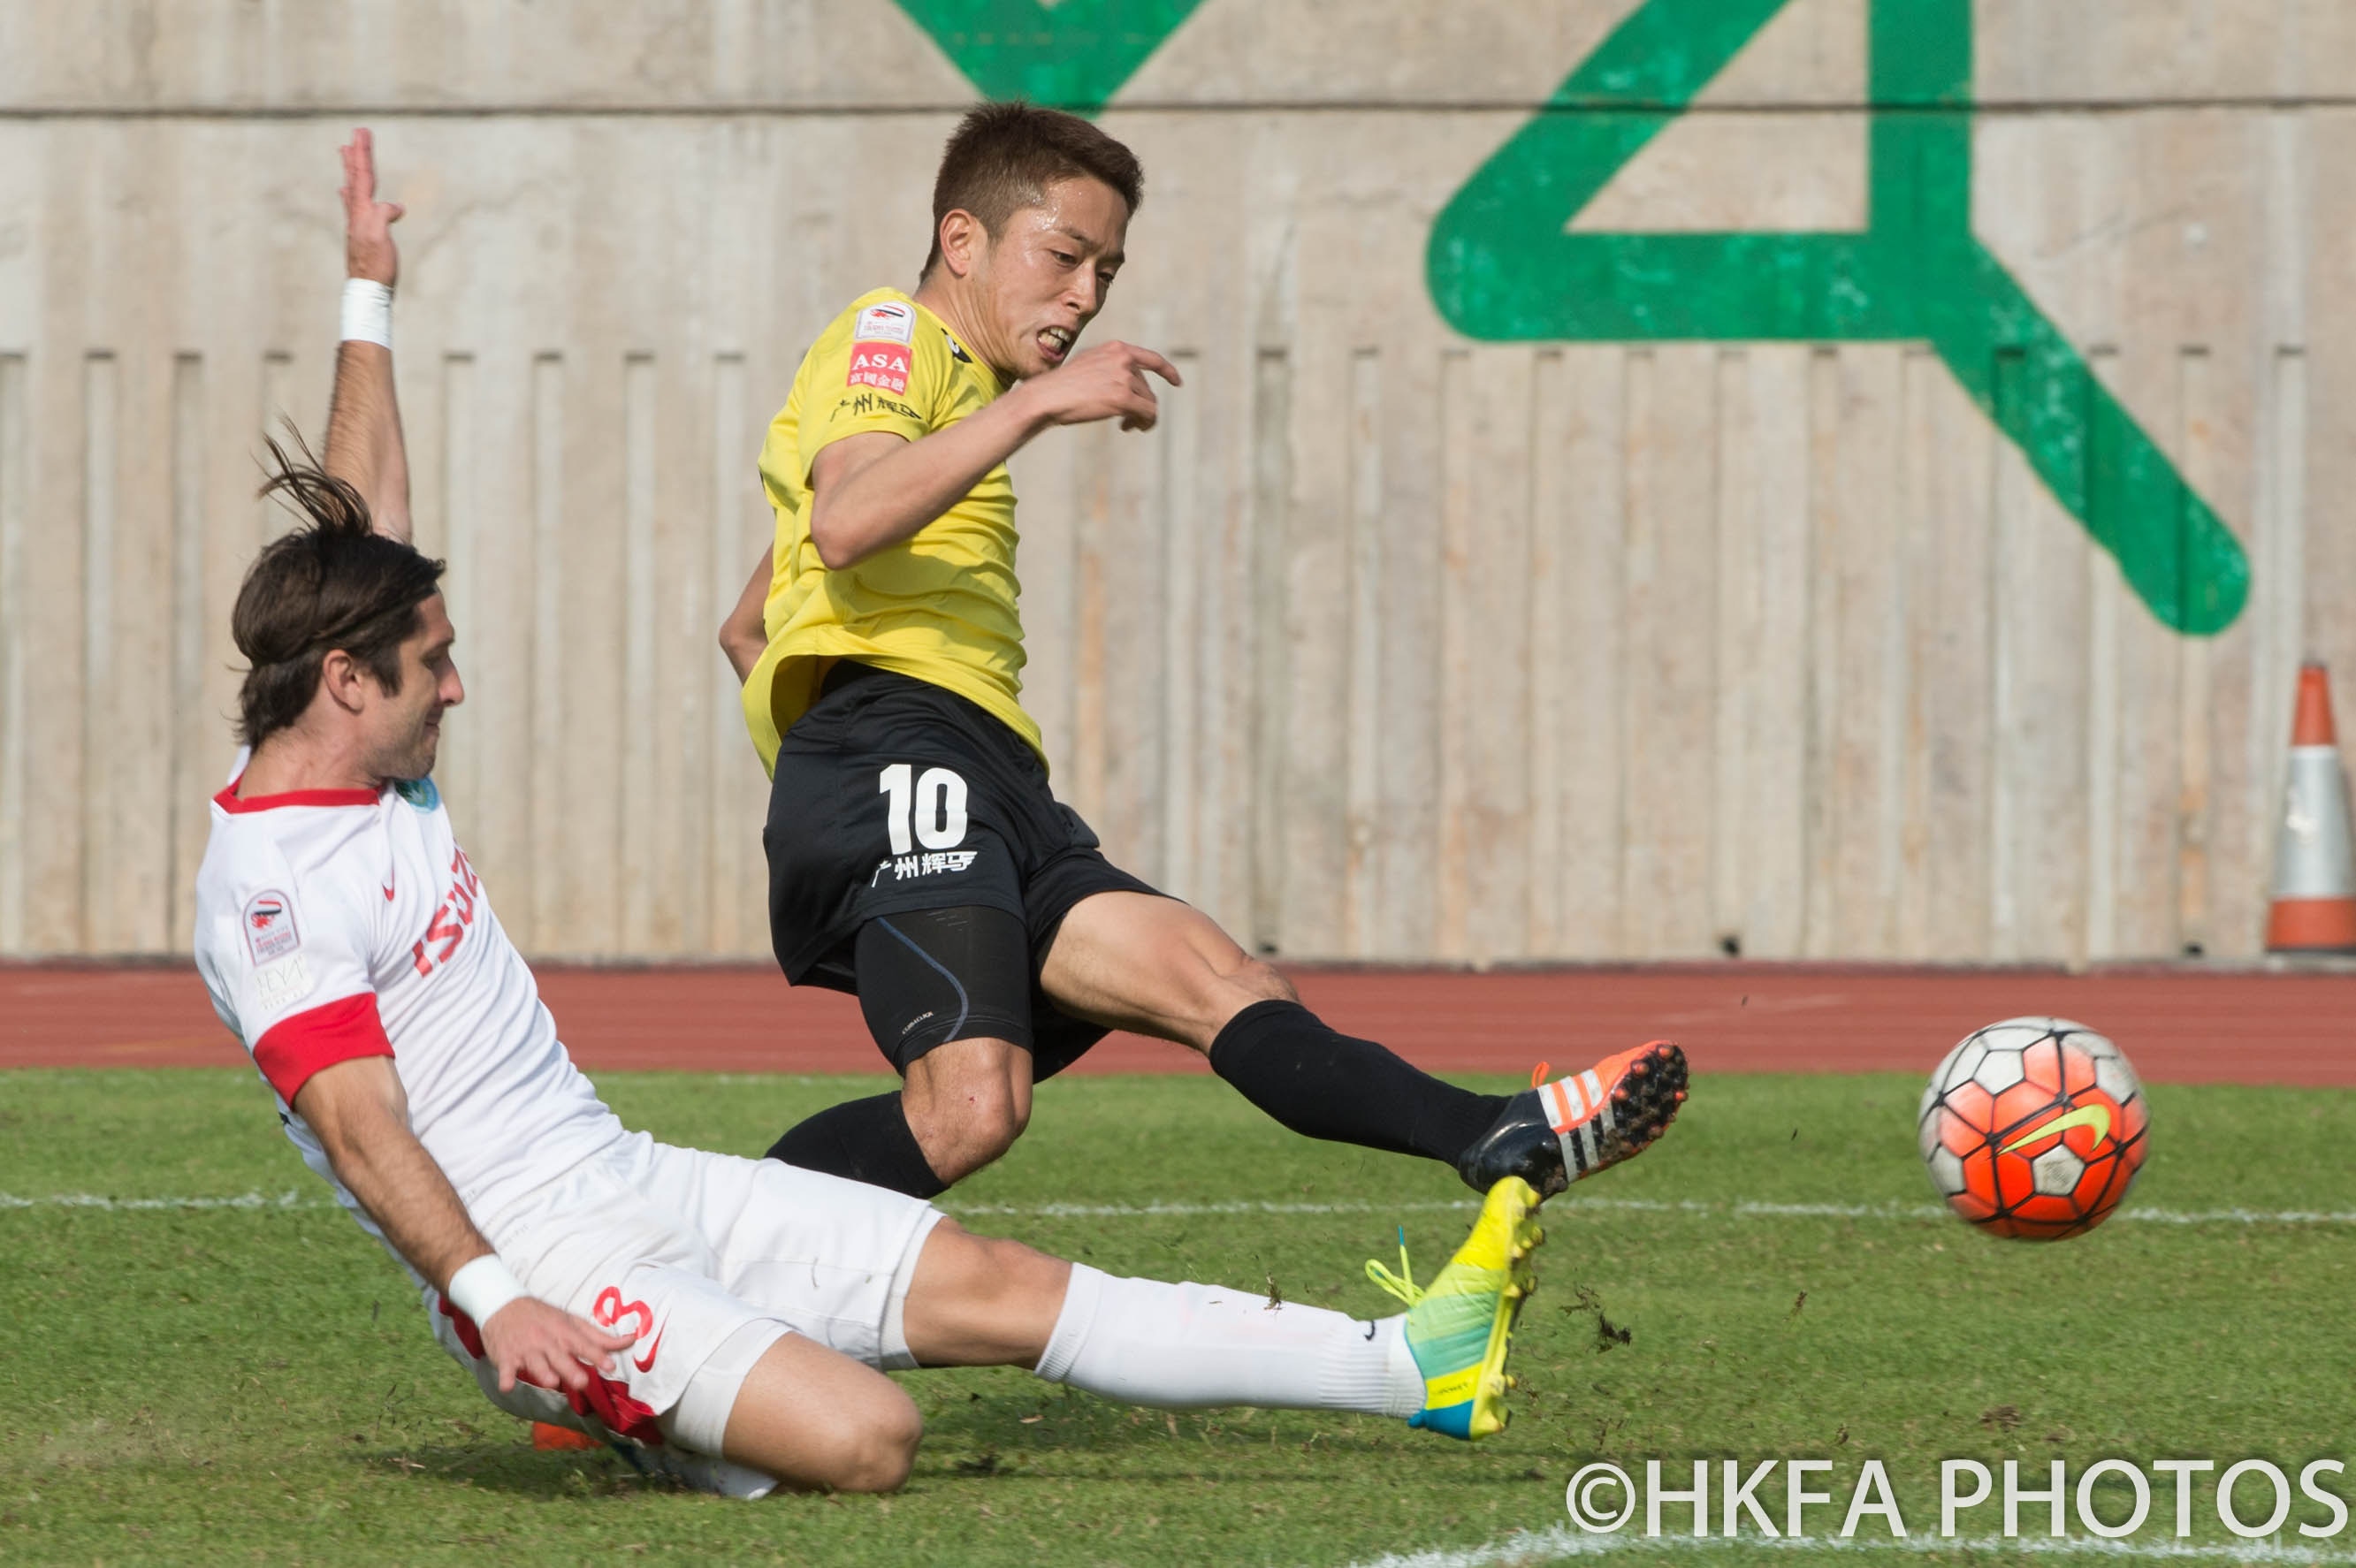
{"x":737,"y":1312}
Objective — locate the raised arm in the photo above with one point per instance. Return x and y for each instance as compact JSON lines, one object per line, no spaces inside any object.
{"x":360,"y":1114}
{"x":874,"y":490}
{"x":364,"y":443}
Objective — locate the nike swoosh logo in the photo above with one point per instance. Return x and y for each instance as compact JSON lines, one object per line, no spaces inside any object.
{"x":652,"y":1351}
{"x":2096,"y":1116}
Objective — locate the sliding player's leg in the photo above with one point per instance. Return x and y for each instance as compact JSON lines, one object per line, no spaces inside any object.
{"x":812,"y":1417}
{"x":761,"y":1329}
{"x":977,"y":1301}
{"x":816,"y":1419}
{"x":1163,"y":968}
{"x":764,"y":1325}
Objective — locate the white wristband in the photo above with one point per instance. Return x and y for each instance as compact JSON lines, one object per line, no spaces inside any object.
{"x":368,"y":312}
{"x":482,"y":1288}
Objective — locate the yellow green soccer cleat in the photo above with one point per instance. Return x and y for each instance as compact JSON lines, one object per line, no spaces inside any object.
{"x":1461,"y":1326}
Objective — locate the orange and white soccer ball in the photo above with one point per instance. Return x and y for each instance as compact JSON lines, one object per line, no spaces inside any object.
{"x":2034,"y":1129}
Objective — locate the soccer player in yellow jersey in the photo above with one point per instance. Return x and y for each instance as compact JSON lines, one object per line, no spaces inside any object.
{"x":916,"y":857}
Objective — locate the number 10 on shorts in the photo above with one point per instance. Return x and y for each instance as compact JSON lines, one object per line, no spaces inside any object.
{"x":932,"y":805}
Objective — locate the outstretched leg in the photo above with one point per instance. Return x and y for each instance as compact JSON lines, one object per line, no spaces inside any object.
{"x":976,"y":1301}
{"x":814,"y":1418}
{"x":1165,"y":968}
{"x":1159,"y":967}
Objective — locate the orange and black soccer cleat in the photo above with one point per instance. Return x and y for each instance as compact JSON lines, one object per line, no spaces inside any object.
{"x":1552,"y":1135}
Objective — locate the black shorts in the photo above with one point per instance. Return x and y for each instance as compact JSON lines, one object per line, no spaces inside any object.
{"x":893,"y":796}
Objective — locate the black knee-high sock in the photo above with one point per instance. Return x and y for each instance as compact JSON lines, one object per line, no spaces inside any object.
{"x":1326,"y":1086}
{"x":866,"y":1140}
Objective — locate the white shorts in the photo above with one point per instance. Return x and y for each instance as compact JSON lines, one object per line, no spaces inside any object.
{"x":706,"y":1259}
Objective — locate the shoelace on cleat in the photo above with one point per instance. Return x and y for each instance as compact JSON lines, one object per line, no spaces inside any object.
{"x":1538,"y":1074}
{"x":1402,"y":1284}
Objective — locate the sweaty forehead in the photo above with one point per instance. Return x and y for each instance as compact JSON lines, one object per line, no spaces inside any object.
{"x":1087,"y":211}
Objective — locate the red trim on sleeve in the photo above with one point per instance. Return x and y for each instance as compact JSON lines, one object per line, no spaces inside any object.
{"x":227,"y":799}
{"x":293,"y":1049}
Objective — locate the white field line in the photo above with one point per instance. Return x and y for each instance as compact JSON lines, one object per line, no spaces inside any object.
{"x":1562,"y":1541}
{"x":1572,"y":1208}
{"x":289,"y":1199}
{"x":1562,"y":1208}
{"x":1189,"y":1211}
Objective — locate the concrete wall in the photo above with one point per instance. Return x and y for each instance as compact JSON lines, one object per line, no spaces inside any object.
{"x":1760,"y":607}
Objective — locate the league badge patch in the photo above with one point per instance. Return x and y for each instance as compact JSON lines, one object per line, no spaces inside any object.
{"x":879,"y":346}
{"x":270,"y":931}
{"x":888,"y":322}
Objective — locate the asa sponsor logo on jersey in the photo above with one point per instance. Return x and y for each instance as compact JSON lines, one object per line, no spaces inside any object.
{"x":904,"y":867}
{"x":270,"y":930}
{"x":888,"y":322}
{"x":879,"y":365}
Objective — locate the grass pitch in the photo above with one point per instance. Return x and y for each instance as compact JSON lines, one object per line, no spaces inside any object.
{"x":256,"y":1383}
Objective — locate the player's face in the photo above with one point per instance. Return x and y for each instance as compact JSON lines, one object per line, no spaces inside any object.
{"x":406,"y":725}
{"x":1046,"y":276}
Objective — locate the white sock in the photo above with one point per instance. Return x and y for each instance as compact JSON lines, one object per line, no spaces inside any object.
{"x":1182,"y":1347}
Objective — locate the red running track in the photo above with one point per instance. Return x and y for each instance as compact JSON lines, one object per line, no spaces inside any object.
{"x":2179,"y":1025}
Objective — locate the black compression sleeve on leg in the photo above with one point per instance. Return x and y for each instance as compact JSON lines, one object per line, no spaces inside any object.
{"x":1281,"y":1057}
{"x":866,"y":1140}
{"x":929,"y":976}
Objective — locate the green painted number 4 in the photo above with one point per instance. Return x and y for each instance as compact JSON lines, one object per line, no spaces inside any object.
{"x":1501,"y":267}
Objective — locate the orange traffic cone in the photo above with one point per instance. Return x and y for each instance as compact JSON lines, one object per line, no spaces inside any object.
{"x":2314,"y":864}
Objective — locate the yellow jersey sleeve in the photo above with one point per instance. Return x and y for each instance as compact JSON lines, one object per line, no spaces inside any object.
{"x":881,"y":374}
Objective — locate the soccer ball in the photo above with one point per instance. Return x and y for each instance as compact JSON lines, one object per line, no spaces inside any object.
{"x":2034,"y":1129}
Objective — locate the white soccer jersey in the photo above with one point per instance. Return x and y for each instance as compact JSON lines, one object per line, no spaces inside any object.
{"x":339,"y":923}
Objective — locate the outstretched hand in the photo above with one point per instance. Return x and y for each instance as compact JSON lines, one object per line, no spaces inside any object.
{"x":533,"y":1342}
{"x":1107,"y":381}
{"x":368,"y":250}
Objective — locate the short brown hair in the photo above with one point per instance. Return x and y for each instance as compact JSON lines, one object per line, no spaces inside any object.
{"x":1002,"y":157}
{"x":332,"y":582}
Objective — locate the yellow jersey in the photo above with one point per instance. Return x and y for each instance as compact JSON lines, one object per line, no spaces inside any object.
{"x":939,"y":606}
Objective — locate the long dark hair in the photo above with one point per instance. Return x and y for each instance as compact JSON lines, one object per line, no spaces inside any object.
{"x":332,"y":582}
